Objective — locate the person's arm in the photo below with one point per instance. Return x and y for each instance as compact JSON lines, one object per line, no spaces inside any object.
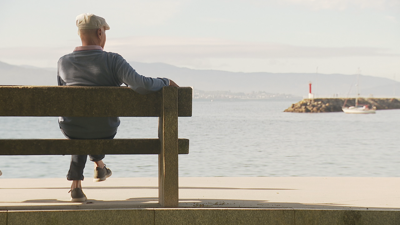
{"x":141,"y":84}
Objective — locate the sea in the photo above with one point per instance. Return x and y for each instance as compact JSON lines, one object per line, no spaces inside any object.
{"x":236,"y":138}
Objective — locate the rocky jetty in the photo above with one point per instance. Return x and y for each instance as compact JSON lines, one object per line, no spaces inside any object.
{"x":321,"y":105}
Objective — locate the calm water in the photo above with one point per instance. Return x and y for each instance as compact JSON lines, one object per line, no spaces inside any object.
{"x":237,"y":138}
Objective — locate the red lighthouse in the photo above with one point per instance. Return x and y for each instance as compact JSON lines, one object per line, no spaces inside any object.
{"x":310,"y":95}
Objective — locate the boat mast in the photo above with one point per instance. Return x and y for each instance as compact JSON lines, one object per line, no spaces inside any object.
{"x":358,"y":91}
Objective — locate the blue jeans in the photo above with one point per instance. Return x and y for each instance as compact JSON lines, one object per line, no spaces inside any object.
{"x":78,"y":162}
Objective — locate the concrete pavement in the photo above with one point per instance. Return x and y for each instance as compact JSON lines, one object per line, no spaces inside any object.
{"x":208,"y":192}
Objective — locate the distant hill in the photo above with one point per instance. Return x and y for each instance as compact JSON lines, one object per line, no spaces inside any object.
{"x":23,"y":75}
{"x":324,"y":85}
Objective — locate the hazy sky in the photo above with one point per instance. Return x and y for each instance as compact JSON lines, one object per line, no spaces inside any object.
{"x":337,"y":36}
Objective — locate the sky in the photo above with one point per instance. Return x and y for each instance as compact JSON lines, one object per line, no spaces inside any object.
{"x":278,"y":36}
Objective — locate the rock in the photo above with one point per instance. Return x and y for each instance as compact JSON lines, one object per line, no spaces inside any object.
{"x":335,"y":104}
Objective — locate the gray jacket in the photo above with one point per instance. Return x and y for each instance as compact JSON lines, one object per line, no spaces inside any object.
{"x":99,"y":68}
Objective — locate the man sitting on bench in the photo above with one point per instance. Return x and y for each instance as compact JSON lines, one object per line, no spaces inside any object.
{"x":89,"y":65}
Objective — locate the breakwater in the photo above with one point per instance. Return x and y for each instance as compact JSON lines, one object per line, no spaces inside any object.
{"x":320,"y":105}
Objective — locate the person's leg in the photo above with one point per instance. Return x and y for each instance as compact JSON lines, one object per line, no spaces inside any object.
{"x":101,"y":172}
{"x":96,"y":158}
{"x":76,"y":184}
{"x":75,"y":174}
{"x":99,"y":164}
{"x":76,"y":167}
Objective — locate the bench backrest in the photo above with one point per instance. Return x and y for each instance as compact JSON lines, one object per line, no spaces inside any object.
{"x":90,"y":102}
{"x":87,"y":101}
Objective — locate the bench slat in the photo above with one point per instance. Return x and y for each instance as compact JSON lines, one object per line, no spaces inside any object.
{"x":86,"y":101}
{"x":85,"y":147}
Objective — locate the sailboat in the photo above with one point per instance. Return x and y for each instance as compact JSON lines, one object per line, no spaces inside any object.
{"x":358,"y":109}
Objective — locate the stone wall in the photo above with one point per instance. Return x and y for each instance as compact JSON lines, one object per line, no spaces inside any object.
{"x":319,"y":105}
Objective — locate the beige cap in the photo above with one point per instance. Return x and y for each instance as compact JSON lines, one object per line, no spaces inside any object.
{"x":87,"y":21}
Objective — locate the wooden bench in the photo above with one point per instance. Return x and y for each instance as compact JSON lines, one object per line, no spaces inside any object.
{"x":167,"y":104}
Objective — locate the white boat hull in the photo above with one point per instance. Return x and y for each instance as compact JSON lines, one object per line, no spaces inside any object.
{"x":358,"y":110}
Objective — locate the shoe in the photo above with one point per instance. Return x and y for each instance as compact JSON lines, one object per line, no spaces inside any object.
{"x":77,"y":195}
{"x":101,"y":174}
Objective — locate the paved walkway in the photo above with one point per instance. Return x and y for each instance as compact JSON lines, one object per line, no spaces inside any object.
{"x":205,"y":192}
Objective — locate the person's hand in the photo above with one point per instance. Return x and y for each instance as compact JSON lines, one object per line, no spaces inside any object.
{"x":172,"y":83}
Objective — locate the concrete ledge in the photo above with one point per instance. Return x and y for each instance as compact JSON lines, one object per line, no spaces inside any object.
{"x":201,"y":216}
{"x":346,"y":217}
{"x":224,"y":216}
{"x":87,"y":217}
{"x":3,"y":217}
